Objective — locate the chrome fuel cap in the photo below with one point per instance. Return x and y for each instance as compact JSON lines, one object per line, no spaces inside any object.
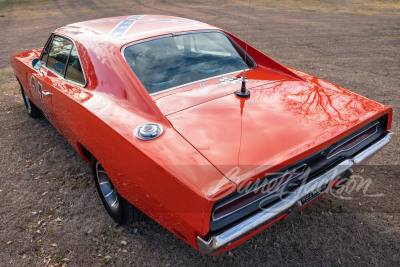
{"x":148,"y":131}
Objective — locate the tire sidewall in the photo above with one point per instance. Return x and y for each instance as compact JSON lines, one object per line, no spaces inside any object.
{"x":116,"y":214}
{"x":32,"y":110}
{"x":28,"y":108}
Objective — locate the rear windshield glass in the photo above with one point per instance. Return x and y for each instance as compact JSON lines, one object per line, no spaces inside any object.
{"x":173,"y":61}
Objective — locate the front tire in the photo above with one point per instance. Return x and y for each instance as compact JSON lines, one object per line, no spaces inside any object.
{"x":31,"y":109}
{"x":117,"y":207}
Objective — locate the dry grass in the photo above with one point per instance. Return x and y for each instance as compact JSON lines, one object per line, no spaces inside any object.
{"x":360,"y":7}
{"x":364,"y":7}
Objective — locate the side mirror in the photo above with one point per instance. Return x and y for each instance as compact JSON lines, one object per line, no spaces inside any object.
{"x":59,"y":67}
{"x":36,"y":63}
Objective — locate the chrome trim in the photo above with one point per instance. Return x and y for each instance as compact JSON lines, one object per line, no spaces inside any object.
{"x":40,"y":91}
{"x":143,"y":41}
{"x":363,"y":155}
{"x":217,"y":242}
{"x":376,"y":130}
{"x":199,"y":81}
{"x":48,"y":42}
{"x":159,"y":131}
{"x":183,"y":33}
{"x":46,"y":93}
{"x":63,"y":78}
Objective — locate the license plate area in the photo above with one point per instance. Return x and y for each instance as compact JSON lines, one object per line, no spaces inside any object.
{"x":313,"y":195}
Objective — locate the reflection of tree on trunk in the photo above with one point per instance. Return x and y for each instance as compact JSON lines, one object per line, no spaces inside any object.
{"x":315,"y":100}
{"x":323,"y":103}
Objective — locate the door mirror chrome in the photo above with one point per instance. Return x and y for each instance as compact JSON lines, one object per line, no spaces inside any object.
{"x":36,"y":63}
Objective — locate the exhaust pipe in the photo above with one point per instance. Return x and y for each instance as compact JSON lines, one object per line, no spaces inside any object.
{"x":344,"y":179}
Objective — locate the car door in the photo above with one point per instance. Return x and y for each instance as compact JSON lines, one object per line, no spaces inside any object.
{"x":68,"y":95}
{"x":54,"y":60}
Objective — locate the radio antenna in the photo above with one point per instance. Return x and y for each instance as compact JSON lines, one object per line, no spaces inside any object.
{"x":243,"y":92}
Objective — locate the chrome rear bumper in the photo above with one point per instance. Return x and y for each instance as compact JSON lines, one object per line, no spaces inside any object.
{"x":290,"y":202}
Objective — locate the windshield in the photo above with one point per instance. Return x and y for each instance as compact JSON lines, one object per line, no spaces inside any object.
{"x":173,"y":61}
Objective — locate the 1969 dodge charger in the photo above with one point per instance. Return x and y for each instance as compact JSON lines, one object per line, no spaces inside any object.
{"x":186,"y":123}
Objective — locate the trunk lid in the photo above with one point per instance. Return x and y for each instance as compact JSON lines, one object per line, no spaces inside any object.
{"x":283,"y":121}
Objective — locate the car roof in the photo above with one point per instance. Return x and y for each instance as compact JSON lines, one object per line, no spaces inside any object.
{"x":126,"y":29}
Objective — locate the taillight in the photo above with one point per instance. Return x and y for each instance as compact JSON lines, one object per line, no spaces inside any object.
{"x":349,"y":144}
{"x":254,"y":194}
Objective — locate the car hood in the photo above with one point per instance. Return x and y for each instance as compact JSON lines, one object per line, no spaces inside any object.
{"x":283,"y":121}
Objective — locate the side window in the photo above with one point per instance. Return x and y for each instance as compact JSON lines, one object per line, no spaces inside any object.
{"x":74,"y":69}
{"x":58,"y":55}
{"x":46,"y":49}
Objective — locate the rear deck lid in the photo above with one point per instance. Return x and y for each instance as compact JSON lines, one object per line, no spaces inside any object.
{"x":282,"y":122}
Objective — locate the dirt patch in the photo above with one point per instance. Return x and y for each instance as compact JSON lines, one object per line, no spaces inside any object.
{"x":50,"y":211}
{"x":359,"y":7}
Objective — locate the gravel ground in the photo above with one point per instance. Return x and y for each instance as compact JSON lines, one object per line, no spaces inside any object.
{"x":50,"y":213}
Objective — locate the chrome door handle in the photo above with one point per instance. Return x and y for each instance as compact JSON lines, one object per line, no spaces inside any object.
{"x":47,"y":93}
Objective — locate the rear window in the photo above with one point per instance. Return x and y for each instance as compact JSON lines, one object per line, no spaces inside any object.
{"x":173,"y":61}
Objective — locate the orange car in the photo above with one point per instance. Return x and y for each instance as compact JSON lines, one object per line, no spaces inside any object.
{"x":188,"y":124}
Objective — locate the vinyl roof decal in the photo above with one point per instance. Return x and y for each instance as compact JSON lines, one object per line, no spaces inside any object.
{"x":125,"y":24}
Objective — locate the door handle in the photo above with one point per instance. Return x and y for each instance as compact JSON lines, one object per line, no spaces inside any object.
{"x":47,"y":93}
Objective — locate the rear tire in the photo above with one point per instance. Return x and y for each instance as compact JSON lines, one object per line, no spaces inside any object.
{"x":31,"y":109}
{"x":117,"y":207}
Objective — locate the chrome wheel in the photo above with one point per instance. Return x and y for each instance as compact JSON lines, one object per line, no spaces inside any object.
{"x":117,"y":206}
{"x":106,"y":187}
